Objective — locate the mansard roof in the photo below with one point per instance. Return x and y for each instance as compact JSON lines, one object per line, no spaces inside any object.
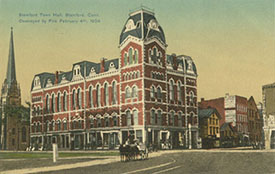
{"x":181,"y":61}
{"x":142,"y":24}
{"x":85,"y":66}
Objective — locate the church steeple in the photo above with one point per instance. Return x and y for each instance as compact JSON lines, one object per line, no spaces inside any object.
{"x":11,"y":75}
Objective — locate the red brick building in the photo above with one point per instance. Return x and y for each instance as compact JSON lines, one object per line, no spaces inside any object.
{"x":145,"y":94}
{"x":233,"y":109}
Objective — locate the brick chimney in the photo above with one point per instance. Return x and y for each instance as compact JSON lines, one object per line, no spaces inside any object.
{"x":202,"y":99}
{"x":174,"y":59}
{"x":102,"y":64}
{"x":56,"y":77}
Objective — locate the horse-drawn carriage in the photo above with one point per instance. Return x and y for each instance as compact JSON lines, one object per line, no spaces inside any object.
{"x":133,"y":152}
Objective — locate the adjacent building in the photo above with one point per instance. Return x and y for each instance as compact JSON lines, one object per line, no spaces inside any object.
{"x":144,"y":94}
{"x":229,"y":136}
{"x":255,"y":122}
{"x":14,"y":127}
{"x":233,"y":109}
{"x":209,"y":127}
{"x":269,"y":115}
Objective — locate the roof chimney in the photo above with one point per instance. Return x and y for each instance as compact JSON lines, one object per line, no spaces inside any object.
{"x":202,"y":99}
{"x":102,"y":64}
{"x":56,"y":77}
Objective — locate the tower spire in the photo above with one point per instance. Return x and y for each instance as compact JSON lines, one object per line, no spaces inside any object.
{"x":11,"y":75}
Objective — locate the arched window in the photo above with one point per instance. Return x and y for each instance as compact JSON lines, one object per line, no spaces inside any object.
{"x":191,"y":98}
{"x":125,"y":59}
{"x":171,"y":89}
{"x":159,"y":94}
{"x":53,"y":103}
{"x":173,"y":118}
{"x":130,"y":56}
{"x":135,"y":113}
{"x":179,"y":91}
{"x":98,"y":96}
{"x":115,"y":121}
{"x":79,"y":124}
{"x":38,"y":127}
{"x":138,"y":74}
{"x":153,"y":115}
{"x":180,"y":119}
{"x":91,"y":123}
{"x":106,"y":94}
{"x":98,"y":122}
{"x":114,"y":93}
{"x":106,"y":121}
{"x":38,"y":110}
{"x":73,"y":99}
{"x":128,"y":92}
{"x":129,"y":119}
{"x":48,"y":124}
{"x":58,"y":102}
{"x":58,"y":125}
{"x":24,"y":134}
{"x":155,"y":51}
{"x":134,"y":91}
{"x":91,"y":96}
{"x":153,"y":90}
{"x":65,"y":124}
{"x":79,"y":98}
{"x":65,"y":101}
{"x":53,"y":125}
{"x":159,"y":117}
{"x":136,"y":56}
{"x":47,"y":104}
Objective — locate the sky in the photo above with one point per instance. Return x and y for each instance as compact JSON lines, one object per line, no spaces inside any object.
{"x":231,"y":42}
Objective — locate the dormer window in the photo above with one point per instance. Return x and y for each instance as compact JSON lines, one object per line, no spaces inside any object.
{"x":37,"y":81}
{"x":77,"y":70}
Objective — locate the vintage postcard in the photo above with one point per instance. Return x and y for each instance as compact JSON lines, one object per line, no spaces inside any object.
{"x":142,"y":86}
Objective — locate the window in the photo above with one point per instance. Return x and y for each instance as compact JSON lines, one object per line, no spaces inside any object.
{"x":153,"y":92}
{"x":180,"y":119}
{"x":115,"y":121}
{"x":65,"y":101}
{"x":79,"y":124}
{"x":173,"y":118}
{"x":153,"y":114}
{"x":171,"y":89}
{"x":98,"y":96}
{"x":191,"y":98}
{"x":53,"y":126}
{"x":24,"y":135}
{"x":58,"y":102}
{"x":91,"y":123}
{"x":179,"y":91}
{"x":135,"y":113}
{"x":53,"y":103}
{"x":65,"y":125}
{"x":106,"y":94}
{"x":114,"y":93}
{"x":138,"y":74}
{"x":134,"y":91}
{"x":98,"y":122}
{"x":106,"y":120}
{"x":58,"y":125}
{"x":128,"y":92}
{"x":129,"y":119}
{"x":38,"y":110}
{"x":125,"y":59}
{"x":73,"y":99}
{"x":136,"y":56}
{"x":130,"y":56}
{"x":159,"y":94}
{"x":74,"y":124}
{"x":91,"y":96}
{"x":79,"y":98}
{"x":159,"y":117}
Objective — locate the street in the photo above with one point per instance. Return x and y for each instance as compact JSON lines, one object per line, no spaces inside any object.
{"x":212,"y":161}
